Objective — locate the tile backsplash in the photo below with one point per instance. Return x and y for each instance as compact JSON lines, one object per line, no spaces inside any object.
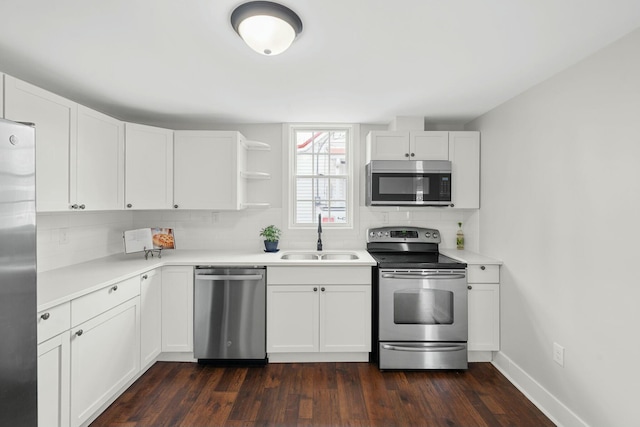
{"x":70,"y":238}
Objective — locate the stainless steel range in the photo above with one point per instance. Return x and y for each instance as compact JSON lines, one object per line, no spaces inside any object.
{"x":421,"y":300}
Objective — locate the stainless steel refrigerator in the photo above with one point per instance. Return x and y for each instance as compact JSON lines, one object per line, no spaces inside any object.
{"x":18,"y":335}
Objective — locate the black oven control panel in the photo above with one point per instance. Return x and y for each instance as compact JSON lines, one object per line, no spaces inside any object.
{"x":403,"y":235}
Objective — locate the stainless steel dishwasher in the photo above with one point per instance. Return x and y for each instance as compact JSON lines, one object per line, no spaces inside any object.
{"x":230,"y":314}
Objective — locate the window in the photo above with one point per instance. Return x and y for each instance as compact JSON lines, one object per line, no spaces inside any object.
{"x":321,"y":175}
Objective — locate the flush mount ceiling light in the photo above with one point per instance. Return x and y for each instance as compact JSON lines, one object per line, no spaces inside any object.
{"x":268,"y":28}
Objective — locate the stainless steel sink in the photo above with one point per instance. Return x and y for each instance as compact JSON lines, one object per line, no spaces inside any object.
{"x":316,"y":256}
{"x":339,"y":256}
{"x":301,"y":256}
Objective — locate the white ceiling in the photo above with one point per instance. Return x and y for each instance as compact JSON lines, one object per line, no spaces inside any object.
{"x":179,"y":62}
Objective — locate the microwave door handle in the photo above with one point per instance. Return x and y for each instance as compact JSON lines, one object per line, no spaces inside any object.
{"x":422,"y":276}
{"x":419,"y":188}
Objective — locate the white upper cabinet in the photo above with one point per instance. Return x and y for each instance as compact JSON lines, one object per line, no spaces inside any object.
{"x":97,"y":162}
{"x":429,"y":145}
{"x":79,"y":151}
{"x":464,"y":153}
{"x":148,"y":167}
{"x":461,"y":148}
{"x":407,"y":145}
{"x":55,"y":121}
{"x":207,"y":168}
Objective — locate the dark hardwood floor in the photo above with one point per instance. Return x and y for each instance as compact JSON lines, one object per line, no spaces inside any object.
{"x":320,"y":394}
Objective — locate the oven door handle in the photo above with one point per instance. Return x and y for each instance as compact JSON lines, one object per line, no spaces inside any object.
{"x":422,"y":276}
{"x":422,"y":348}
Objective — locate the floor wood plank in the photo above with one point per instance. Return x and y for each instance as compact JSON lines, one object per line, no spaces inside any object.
{"x":320,"y":394}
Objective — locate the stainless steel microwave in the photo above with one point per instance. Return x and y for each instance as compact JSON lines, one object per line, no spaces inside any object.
{"x":408,"y":183}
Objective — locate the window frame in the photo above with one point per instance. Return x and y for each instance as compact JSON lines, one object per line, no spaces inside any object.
{"x":290,"y":172}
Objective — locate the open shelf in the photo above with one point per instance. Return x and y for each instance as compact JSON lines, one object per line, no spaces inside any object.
{"x":256,"y":145}
{"x":255,"y":205}
{"x":255,"y":175}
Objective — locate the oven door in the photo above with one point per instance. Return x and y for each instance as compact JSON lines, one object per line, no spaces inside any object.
{"x":422,"y":305}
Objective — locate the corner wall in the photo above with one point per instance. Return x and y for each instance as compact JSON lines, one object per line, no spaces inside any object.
{"x":560,"y":190}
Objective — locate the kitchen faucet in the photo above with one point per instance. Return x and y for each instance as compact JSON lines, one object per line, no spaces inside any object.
{"x":319,"y":247}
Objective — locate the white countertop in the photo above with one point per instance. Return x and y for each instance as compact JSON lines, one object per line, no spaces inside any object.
{"x":469,"y":257}
{"x":64,"y":284}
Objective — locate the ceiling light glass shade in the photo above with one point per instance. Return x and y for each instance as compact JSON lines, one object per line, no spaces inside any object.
{"x":266,"y":27}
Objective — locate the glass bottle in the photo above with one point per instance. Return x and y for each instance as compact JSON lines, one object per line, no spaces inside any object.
{"x":460,"y":237}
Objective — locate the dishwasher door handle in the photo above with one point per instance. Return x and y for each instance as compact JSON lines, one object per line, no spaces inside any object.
{"x":228,"y":276}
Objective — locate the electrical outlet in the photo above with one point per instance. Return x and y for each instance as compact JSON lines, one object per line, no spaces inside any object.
{"x":558,"y":354}
{"x":63,"y":236}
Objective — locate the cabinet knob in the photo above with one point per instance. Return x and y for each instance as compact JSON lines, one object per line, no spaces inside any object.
{"x":74,"y":206}
{"x":482,"y":267}
{"x":81,"y":206}
{"x":413,"y":154}
{"x":469,"y":287}
{"x":322,"y":289}
{"x":45,"y":316}
{"x":80,"y":332}
{"x":175,"y":206}
{"x":129,"y":205}
{"x":315,"y":289}
{"x":114,"y":288}
{"x":406,"y":154}
{"x":145,"y":277}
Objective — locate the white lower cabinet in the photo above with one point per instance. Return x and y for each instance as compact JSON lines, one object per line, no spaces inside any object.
{"x":177,"y":309}
{"x":484,"y":317}
{"x":292,"y":318}
{"x":312,"y":310}
{"x":150,"y":316}
{"x":105,"y":355}
{"x":53,"y":381}
{"x":345,"y":318}
{"x":325,"y":318}
{"x":484,"y":307}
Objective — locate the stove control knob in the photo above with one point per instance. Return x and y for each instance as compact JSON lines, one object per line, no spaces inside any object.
{"x":435,"y":235}
{"x":379,"y":233}
{"x":372,"y":234}
{"x":386,"y":234}
{"x":427,"y":234}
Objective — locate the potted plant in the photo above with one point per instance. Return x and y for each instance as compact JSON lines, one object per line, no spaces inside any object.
{"x":271,"y":236}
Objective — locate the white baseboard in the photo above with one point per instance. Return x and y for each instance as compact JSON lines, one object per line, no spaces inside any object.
{"x":553,"y":408}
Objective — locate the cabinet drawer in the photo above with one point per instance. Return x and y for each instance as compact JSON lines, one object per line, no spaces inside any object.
{"x":95,"y":303}
{"x":53,"y":321}
{"x":483,"y":273}
{"x":327,"y":275}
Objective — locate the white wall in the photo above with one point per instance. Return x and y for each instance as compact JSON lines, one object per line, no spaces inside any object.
{"x":560,"y":206}
{"x":70,"y":238}
{"x":95,"y":235}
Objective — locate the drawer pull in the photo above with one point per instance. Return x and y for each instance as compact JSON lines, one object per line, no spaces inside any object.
{"x":145,"y":277}
{"x":114,"y":288}
{"x":482,"y":267}
{"x":45,"y":316}
{"x":469,"y":287}
{"x":80,"y":332}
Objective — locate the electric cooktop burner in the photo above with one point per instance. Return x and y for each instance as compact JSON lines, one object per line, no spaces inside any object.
{"x":408,"y":247}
